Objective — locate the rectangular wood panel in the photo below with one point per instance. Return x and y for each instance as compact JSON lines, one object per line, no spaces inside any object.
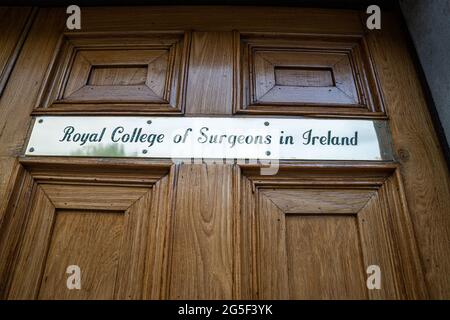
{"x":324,"y":258}
{"x":105,"y":222}
{"x":120,"y":75}
{"x":311,"y":234}
{"x":134,"y":72}
{"x":317,"y":256}
{"x":90,"y":240}
{"x":304,"y":77}
{"x":305,"y":74}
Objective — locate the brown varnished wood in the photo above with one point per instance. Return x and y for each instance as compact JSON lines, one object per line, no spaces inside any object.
{"x":381,"y":228}
{"x":8,"y":168}
{"x":31,"y":65}
{"x":73,"y":84}
{"x":333,"y":268}
{"x":77,"y":197}
{"x":201,"y":259}
{"x":15,"y":23}
{"x":13,"y":224}
{"x":157,"y":279}
{"x":423,"y":168}
{"x":27,"y":274}
{"x":202,"y":233}
{"x":350,"y":91}
{"x":136,"y":204}
{"x":221,"y":18}
{"x":314,"y":201}
{"x":101,"y":171}
{"x":210,"y":74}
{"x":102,"y":234}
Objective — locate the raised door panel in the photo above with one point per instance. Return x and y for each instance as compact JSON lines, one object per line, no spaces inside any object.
{"x":110,"y":222}
{"x":90,"y":240}
{"x":318,"y":253}
{"x":102,"y":250}
{"x":116,"y":72}
{"x":313,"y":236}
{"x":305,"y":74}
{"x":327,"y":268}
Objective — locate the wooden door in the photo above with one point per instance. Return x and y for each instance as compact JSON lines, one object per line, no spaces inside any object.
{"x":157,"y":229}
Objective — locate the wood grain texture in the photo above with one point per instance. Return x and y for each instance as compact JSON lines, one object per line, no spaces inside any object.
{"x":122,"y":75}
{"x":325,"y":267}
{"x":80,"y":197}
{"x":117,"y":75}
{"x":28,"y":74}
{"x":202,"y":253}
{"x":113,"y":262}
{"x":133,"y":248}
{"x":15,"y":23}
{"x":8,"y":168}
{"x":15,"y":209}
{"x":96,"y":253}
{"x":424,"y":171}
{"x":156,"y":279}
{"x":220,"y":18}
{"x":303,"y":77}
{"x":313,"y":201}
{"x":350,"y":91}
{"x":209,"y":89}
{"x":27,"y":275}
{"x":62,"y":220}
{"x":72,"y":84}
{"x":316,"y":222}
{"x":200,"y":236}
{"x":343,"y":89}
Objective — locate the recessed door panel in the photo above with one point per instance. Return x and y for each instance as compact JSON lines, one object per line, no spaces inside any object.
{"x":90,"y":240}
{"x":109,"y":225}
{"x":329,"y":266}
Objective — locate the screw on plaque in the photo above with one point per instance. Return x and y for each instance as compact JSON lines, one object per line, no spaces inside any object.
{"x":266,"y":123}
{"x":268,"y":153}
{"x":31,"y":149}
{"x":41,"y":120}
{"x":144,"y":151}
{"x":149,"y":121}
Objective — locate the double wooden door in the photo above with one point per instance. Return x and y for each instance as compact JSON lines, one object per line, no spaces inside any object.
{"x":157,"y":229}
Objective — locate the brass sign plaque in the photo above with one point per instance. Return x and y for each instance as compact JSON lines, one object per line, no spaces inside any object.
{"x":210,"y":138}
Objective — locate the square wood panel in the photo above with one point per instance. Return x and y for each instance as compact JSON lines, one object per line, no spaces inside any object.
{"x":305,"y":75}
{"x":311,"y":232}
{"x":108,"y":220}
{"x":141,"y":73}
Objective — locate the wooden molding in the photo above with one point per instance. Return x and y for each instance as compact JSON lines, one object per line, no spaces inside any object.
{"x":15,"y":23}
{"x":94,"y":73}
{"x":294,"y":74}
{"x":53,"y":196}
{"x":369,"y":216}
